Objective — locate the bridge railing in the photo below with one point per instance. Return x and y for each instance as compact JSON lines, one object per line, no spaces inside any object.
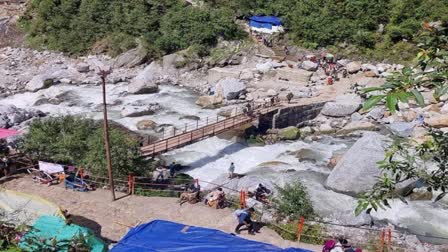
{"x":178,"y":130}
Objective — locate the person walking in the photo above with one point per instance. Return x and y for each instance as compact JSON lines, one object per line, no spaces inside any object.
{"x":244,"y":219}
{"x":231,"y":170}
{"x":172,"y":169}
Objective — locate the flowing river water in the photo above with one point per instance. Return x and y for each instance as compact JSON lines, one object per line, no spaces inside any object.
{"x":271,"y":165}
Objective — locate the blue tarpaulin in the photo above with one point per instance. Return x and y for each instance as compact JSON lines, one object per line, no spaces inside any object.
{"x":264,"y":21}
{"x":160,"y":235}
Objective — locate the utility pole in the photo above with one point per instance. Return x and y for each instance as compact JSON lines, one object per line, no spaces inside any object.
{"x":104,"y":73}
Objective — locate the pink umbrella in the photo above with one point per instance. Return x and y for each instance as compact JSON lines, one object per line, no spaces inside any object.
{"x":5,"y":133}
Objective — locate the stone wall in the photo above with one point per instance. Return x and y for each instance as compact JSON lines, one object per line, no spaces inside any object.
{"x":289,"y":116}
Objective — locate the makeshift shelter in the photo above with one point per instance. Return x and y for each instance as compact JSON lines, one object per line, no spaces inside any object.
{"x":51,"y":232}
{"x":5,"y":133}
{"x":266,"y":24}
{"x":160,"y":235}
{"x":21,"y":208}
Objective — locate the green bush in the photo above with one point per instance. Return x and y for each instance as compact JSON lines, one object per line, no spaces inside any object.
{"x":293,"y":202}
{"x":77,"y":141}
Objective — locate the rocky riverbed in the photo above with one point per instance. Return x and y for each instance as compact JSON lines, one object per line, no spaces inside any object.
{"x":336,"y":151}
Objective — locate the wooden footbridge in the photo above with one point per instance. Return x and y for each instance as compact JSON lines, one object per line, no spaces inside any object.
{"x":205,"y":129}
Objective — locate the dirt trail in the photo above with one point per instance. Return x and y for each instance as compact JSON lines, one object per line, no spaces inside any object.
{"x":111,"y":220}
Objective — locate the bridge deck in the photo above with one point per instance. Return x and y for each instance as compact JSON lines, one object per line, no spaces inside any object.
{"x":199,"y":133}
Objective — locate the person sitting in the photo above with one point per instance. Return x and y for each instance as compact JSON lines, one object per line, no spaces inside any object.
{"x":192,"y":195}
{"x":217,"y":199}
{"x":261,"y":193}
{"x":244,"y":219}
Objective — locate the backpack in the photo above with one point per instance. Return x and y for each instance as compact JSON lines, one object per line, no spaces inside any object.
{"x":328,"y":245}
{"x":238,"y":212}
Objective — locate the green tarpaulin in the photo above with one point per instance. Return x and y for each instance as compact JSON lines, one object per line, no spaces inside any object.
{"x":52,"y":232}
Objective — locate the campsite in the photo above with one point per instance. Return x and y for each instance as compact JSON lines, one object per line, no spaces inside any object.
{"x":202,"y":125}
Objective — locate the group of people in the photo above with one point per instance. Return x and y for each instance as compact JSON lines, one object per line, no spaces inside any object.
{"x":162,"y":173}
{"x":339,"y":245}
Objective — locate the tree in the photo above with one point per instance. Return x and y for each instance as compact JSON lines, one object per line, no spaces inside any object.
{"x":293,"y":201}
{"x":124,"y":150}
{"x":406,"y":161}
{"x":78,"y":141}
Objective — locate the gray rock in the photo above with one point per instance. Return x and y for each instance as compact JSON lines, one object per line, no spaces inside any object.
{"x":309,"y":65}
{"x":402,"y":129}
{"x":209,"y":102}
{"x":353,"y":67}
{"x":289,"y":133}
{"x":356,"y":126}
{"x":146,"y":125}
{"x":230,"y":88}
{"x":376,"y":113}
{"x":356,"y":117}
{"x":264,"y":67}
{"x":358,"y":170}
{"x":146,"y":81}
{"x":136,"y":111}
{"x":83,"y":67}
{"x":11,"y":116}
{"x":343,"y":106}
{"x":39,"y":82}
{"x":131,"y":58}
{"x":216,"y":74}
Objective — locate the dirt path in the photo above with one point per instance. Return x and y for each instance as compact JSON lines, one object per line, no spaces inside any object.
{"x":111,"y":220}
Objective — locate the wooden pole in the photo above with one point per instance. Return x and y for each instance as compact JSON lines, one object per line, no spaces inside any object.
{"x":103,"y":74}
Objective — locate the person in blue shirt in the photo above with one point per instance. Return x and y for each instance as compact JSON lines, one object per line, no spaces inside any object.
{"x":244,"y":219}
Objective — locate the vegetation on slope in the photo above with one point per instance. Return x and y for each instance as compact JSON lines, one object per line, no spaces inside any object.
{"x":377,"y":28}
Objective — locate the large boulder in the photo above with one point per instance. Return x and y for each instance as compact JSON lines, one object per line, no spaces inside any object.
{"x":230,"y":88}
{"x":216,"y":74}
{"x":39,"y":82}
{"x":356,"y":126}
{"x":209,"y":102}
{"x":136,"y":111}
{"x":131,"y":58}
{"x":402,"y":129}
{"x":343,"y":106}
{"x":11,"y":116}
{"x":146,"y":82}
{"x":289,"y":133}
{"x":146,"y":125}
{"x":353,"y":67}
{"x":83,"y":67}
{"x":437,"y":121}
{"x":309,"y":65}
{"x":358,"y":170}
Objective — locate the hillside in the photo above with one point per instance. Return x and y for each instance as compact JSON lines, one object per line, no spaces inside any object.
{"x":376,"y":29}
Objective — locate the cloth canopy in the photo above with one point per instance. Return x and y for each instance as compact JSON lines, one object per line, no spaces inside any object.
{"x":50,"y":167}
{"x":5,"y":133}
{"x":160,"y":235}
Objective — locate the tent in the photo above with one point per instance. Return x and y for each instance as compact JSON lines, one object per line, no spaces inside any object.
{"x":266,"y":24}
{"x":21,"y":208}
{"x":51,"y":232}
{"x":5,"y":133}
{"x":160,"y":235}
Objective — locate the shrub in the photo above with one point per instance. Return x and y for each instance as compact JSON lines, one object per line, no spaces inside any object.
{"x":78,"y":141}
{"x":293,"y":202}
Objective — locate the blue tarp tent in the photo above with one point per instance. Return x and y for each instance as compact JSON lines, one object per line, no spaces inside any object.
{"x":159,"y":235}
{"x":264,"y":21}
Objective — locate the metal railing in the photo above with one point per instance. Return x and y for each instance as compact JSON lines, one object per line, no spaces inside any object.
{"x":206,"y":128}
